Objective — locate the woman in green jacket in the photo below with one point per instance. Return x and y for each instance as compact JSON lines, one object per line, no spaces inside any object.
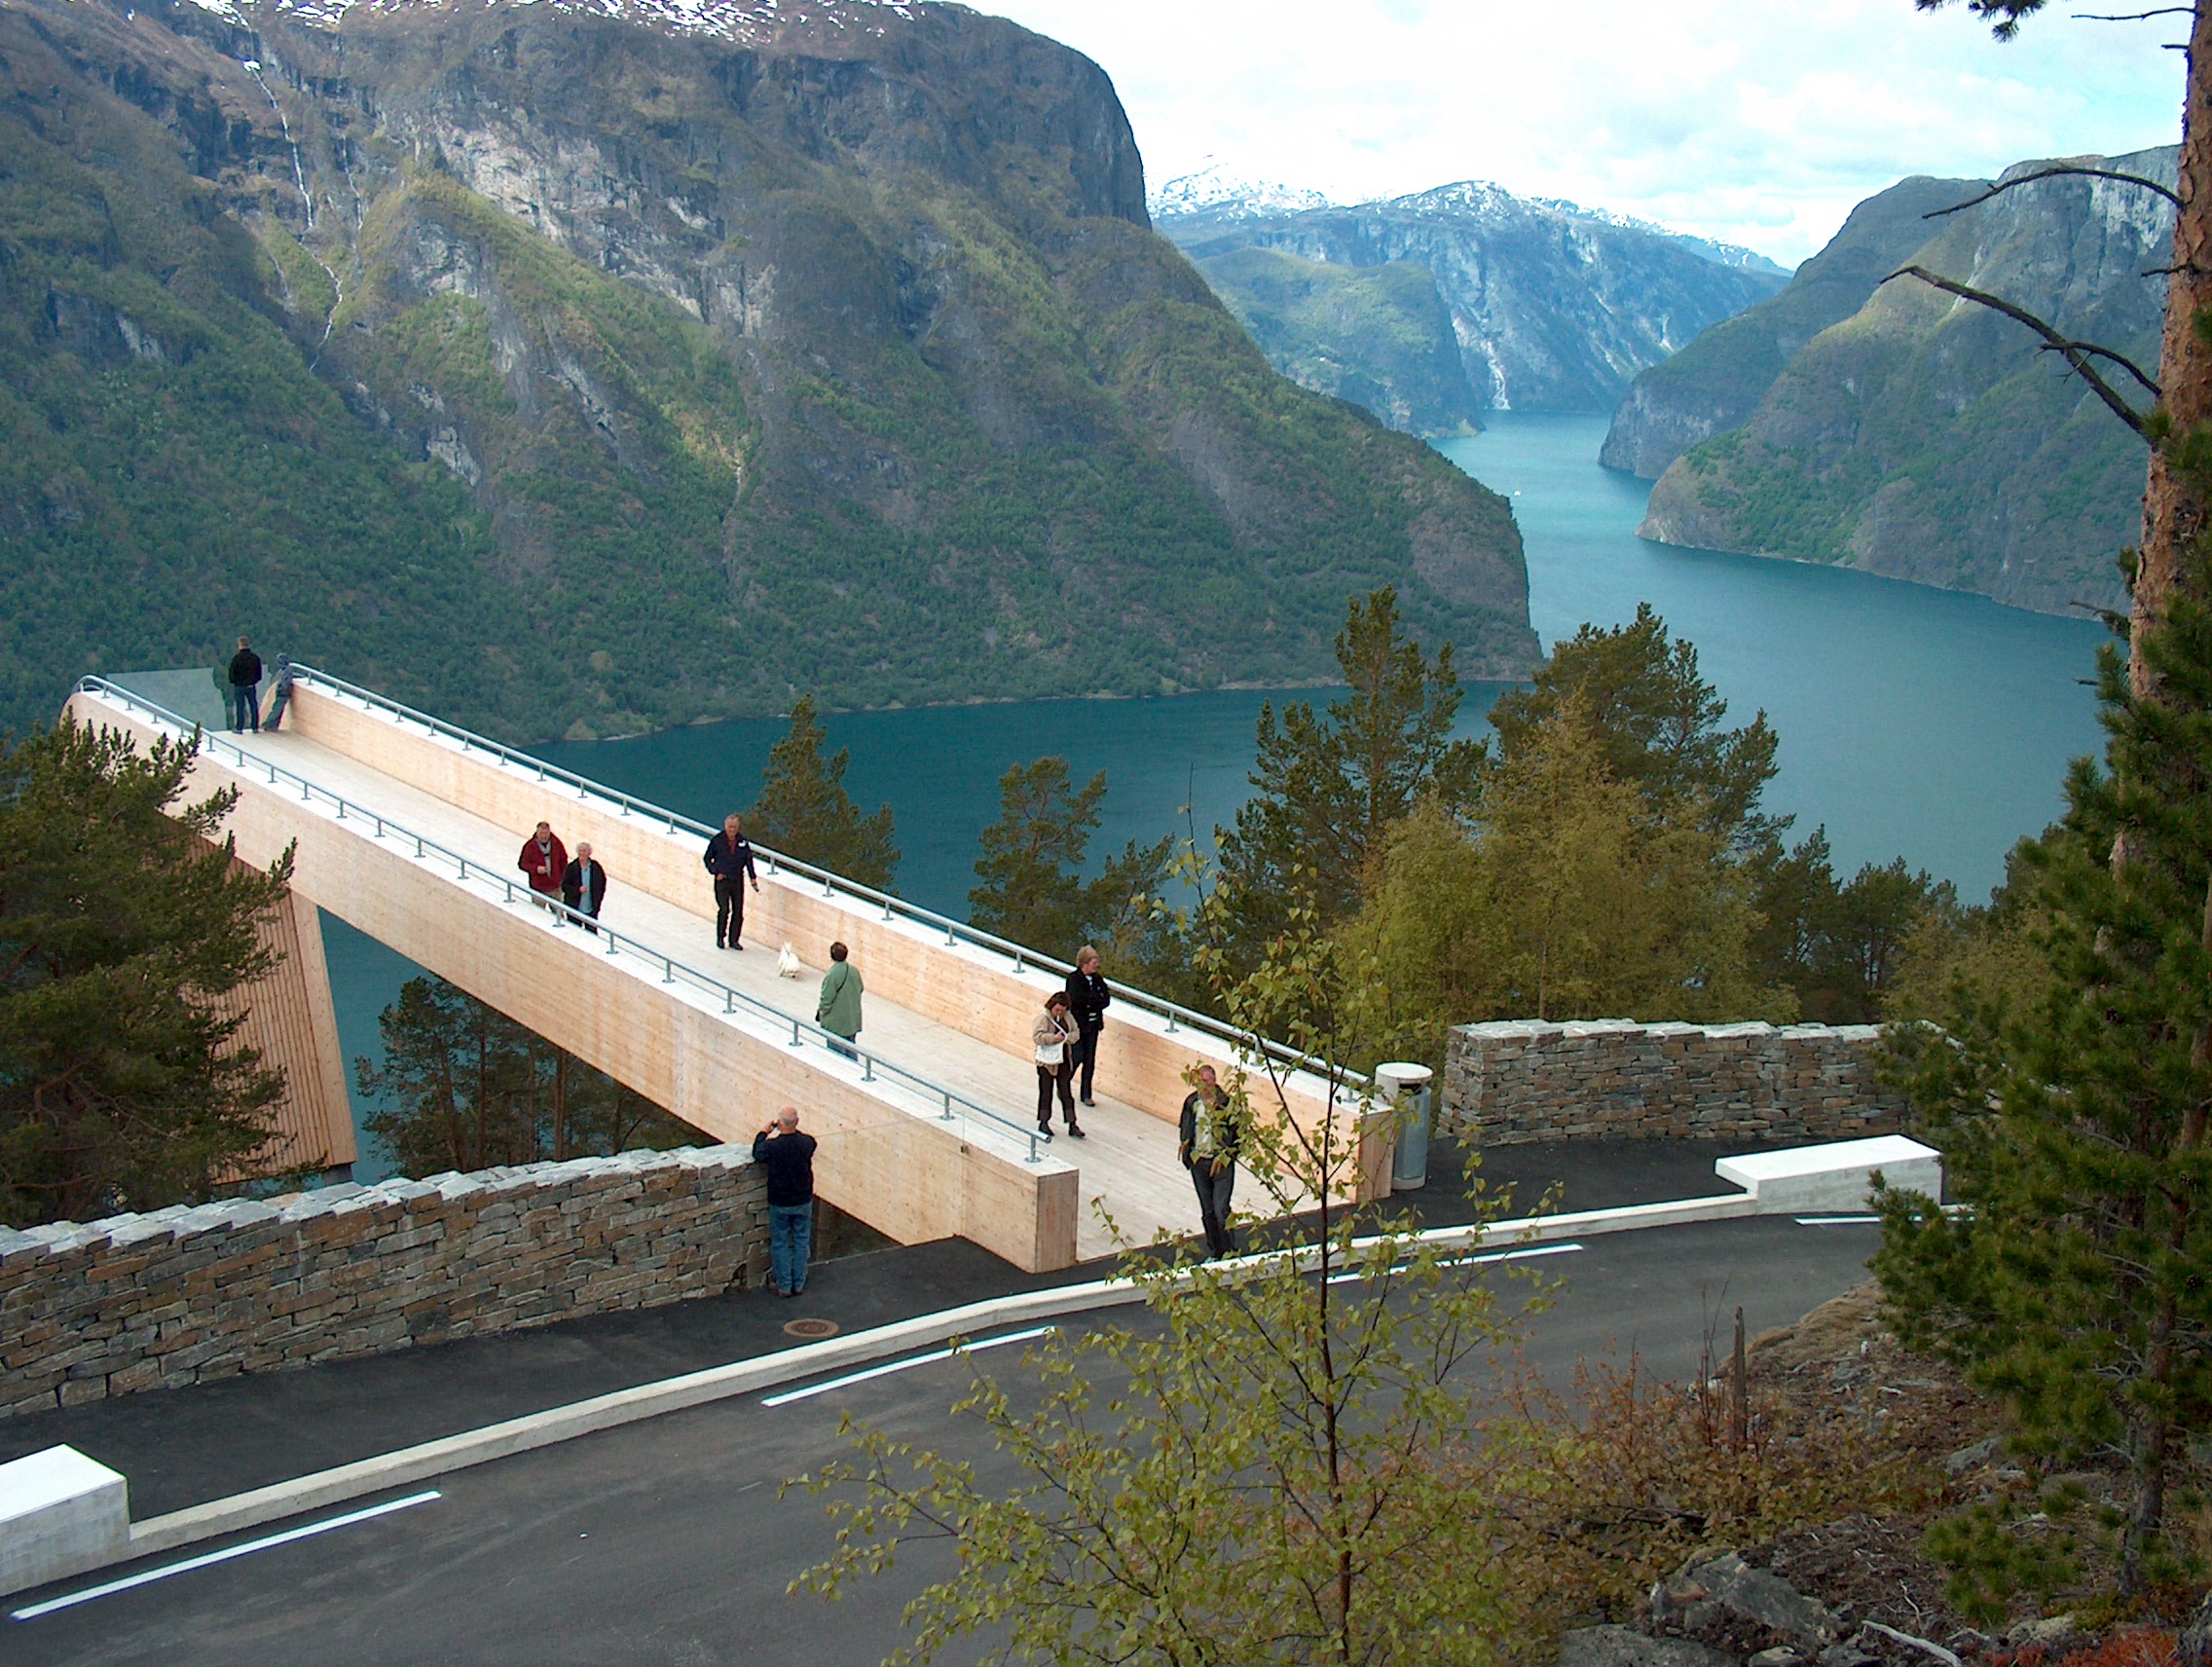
{"x":838,"y":1012}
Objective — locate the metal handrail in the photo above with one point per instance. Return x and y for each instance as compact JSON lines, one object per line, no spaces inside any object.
{"x":955,"y":931}
{"x":869,"y":1062}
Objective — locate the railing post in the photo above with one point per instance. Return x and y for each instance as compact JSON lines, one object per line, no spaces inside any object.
{"x":867,"y":1067}
{"x":417,"y":845}
{"x":796,"y":1042}
{"x":668,"y":975}
{"x":948,"y":1117}
{"x":1171,"y":1023}
{"x":729,"y":999}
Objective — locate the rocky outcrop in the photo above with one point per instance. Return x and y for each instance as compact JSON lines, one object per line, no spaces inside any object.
{"x":1927,"y":438}
{"x":584,"y":367}
{"x":1554,"y":307}
{"x":1715,"y":382}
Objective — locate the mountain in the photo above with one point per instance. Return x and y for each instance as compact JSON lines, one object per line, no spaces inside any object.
{"x":1715,"y":382}
{"x":1379,"y":336}
{"x":1553,"y":307}
{"x":589,"y":365}
{"x":1215,"y":187}
{"x":1925,"y":437}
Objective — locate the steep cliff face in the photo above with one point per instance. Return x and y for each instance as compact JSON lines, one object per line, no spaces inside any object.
{"x":1716,"y":381}
{"x":1926,"y":438}
{"x":1555,"y":308}
{"x":582,"y":368}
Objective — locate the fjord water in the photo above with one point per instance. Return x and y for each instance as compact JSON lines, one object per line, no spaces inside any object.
{"x":1913,"y":721}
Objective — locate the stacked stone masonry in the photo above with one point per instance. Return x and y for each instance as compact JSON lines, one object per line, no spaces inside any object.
{"x":183,"y":1295}
{"x":1613,"y":1079}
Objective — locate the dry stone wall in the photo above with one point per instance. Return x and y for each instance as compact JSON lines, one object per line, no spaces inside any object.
{"x":182,"y":1295}
{"x":1508,"y":1084}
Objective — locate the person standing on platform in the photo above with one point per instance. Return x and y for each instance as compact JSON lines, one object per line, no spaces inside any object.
{"x":583,"y":885}
{"x":839,"y":1010}
{"x":1052,"y":1034}
{"x":544,"y":862}
{"x":730,"y":859}
{"x":1088,"y":1000}
{"x":1206,"y":1141}
{"x":281,"y":692}
{"x":246,"y":688}
{"x":788,"y":1156}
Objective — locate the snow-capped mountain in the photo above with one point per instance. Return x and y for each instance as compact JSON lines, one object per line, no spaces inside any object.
{"x":1555,"y":307}
{"x":1229,"y":196}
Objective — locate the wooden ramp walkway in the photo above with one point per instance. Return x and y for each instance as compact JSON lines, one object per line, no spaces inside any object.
{"x":408,"y":829}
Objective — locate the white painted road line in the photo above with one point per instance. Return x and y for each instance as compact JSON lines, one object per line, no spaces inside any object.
{"x":890,"y":1366}
{"x":149,"y":1575}
{"x":1837,"y":1220}
{"x":1464,"y":1261}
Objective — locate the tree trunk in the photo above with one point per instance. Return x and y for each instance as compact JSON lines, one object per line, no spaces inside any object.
{"x":2174,"y":508}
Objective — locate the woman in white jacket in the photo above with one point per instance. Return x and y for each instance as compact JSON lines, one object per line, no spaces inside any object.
{"x":1054,"y":1035}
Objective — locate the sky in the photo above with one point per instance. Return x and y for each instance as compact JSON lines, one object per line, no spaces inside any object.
{"x":1757,"y":121}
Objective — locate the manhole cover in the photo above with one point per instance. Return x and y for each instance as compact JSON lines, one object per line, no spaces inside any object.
{"x":813,"y":1331}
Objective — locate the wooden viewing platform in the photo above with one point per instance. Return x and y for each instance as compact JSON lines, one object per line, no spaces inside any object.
{"x":384,"y":806}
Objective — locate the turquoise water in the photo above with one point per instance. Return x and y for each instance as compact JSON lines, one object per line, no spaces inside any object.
{"x":1912,"y":720}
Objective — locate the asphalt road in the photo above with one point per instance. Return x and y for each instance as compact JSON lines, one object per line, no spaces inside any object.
{"x":667,"y":1543}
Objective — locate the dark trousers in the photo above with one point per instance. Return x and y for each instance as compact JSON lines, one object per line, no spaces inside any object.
{"x":277,"y":705}
{"x":1087,"y":1058}
{"x":246,"y":706}
{"x":729,"y":909}
{"x":1213,"y":1201}
{"x":1048,"y":1079}
{"x":591,"y":915}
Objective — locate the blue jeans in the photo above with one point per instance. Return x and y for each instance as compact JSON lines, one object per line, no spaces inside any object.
{"x":246,"y":702}
{"x":790,"y":1235}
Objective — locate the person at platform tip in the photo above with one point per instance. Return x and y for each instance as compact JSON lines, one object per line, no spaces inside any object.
{"x":543,"y":862}
{"x":788,"y":1157}
{"x":1088,"y":1001}
{"x":1206,"y":1143}
{"x":279,"y":693}
{"x":839,"y":1010}
{"x":730,"y":859}
{"x":583,"y":885}
{"x":246,"y":688}
{"x":1052,"y":1035}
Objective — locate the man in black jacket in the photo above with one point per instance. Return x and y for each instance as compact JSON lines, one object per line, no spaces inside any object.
{"x":583,"y":885}
{"x":246,"y":688}
{"x":1087,"y":999}
{"x":1206,"y":1139}
{"x":788,"y":1158}
{"x":730,"y":859}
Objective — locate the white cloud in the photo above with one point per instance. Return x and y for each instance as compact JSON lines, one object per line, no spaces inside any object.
{"x":1761,"y":121}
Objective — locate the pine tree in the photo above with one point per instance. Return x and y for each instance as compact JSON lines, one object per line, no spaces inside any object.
{"x":1332,"y":785}
{"x":2078,"y":1282}
{"x":1030,"y":883}
{"x":805,"y":811}
{"x":1660,"y":724}
{"x":126,"y":929}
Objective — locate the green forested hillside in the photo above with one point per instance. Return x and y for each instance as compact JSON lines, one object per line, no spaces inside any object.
{"x":571,"y":387}
{"x":1377,"y":335}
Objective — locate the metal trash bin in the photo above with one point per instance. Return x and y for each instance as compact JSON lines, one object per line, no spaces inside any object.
{"x":1406,"y":1087}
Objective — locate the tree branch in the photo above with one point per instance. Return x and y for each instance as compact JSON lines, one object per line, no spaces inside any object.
{"x":2134,"y":17}
{"x":2072,"y":353}
{"x":2056,"y":174}
{"x":2121,"y":360}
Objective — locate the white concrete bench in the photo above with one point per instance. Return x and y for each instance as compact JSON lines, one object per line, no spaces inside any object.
{"x":61,"y":1514}
{"x":1836,"y":1177}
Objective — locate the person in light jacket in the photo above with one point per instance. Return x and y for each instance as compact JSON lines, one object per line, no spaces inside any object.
{"x":1053,"y":1036}
{"x":838,"y":1012}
